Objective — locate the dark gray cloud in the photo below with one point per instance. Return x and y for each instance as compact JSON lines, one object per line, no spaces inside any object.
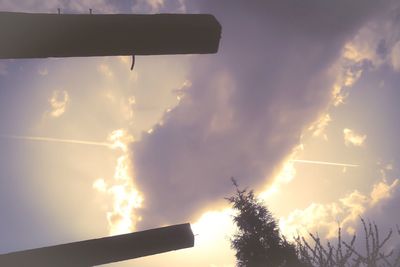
{"x":247,"y":105}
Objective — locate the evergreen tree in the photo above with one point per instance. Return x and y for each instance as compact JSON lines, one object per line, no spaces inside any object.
{"x":258,"y":241}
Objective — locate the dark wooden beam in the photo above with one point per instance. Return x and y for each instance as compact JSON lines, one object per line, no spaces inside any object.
{"x":105,"y":250}
{"x":27,"y":35}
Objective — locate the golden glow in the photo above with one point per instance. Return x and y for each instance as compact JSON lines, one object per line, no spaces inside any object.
{"x":284,"y":176}
{"x":213,"y":225}
{"x":125,"y":196}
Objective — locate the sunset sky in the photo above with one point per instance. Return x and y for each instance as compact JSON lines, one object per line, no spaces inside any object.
{"x":300,"y":104}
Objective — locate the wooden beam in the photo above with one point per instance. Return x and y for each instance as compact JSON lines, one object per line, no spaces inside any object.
{"x":27,"y":35}
{"x":105,"y":250}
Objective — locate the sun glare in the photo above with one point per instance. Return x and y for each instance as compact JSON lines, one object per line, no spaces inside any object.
{"x":209,"y":227}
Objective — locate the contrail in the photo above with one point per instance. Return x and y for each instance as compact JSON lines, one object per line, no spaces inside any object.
{"x":324,"y":163}
{"x":58,"y":140}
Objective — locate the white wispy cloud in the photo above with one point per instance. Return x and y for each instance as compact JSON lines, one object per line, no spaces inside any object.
{"x":58,"y":103}
{"x":353,"y":138}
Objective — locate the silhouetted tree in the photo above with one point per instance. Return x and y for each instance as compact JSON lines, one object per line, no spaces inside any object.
{"x":345,"y":254}
{"x":258,"y":241}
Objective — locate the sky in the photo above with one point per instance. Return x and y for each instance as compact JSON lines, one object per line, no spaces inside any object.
{"x":299,"y":104}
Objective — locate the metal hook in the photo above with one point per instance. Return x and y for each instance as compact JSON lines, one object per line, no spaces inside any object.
{"x":133,"y":61}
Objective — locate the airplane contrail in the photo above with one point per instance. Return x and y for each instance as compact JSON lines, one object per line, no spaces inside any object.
{"x":324,"y":163}
{"x":58,"y":140}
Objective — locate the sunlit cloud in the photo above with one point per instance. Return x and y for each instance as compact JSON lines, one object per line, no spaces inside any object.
{"x":374,"y":44}
{"x":325,"y":218}
{"x":318,"y":128}
{"x":152,"y":6}
{"x":395,"y":56}
{"x":120,"y":139}
{"x":125,"y":196}
{"x":109,"y":95}
{"x":43,"y":71}
{"x":349,"y":71}
{"x":382,"y":190}
{"x":338,"y":95}
{"x":288,"y":172}
{"x":350,"y":66}
{"x":99,"y":6}
{"x":106,"y":70}
{"x":284,"y":176}
{"x":58,"y":103}
{"x":155,"y":4}
{"x":353,"y":138}
{"x":127,"y":107}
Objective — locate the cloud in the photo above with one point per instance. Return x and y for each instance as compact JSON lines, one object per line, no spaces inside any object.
{"x":374,"y":45}
{"x":325,"y":218}
{"x":98,"y":6}
{"x":319,"y":127}
{"x":159,"y":6}
{"x":395,"y":56}
{"x":58,"y":103}
{"x":43,"y":72}
{"x":247,"y":105}
{"x":353,"y":138}
{"x":155,"y":4}
{"x":126,"y":198}
{"x":105,"y":70}
{"x":382,"y":190}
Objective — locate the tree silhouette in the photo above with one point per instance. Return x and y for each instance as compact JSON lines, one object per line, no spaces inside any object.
{"x":258,"y":241}
{"x":345,"y":254}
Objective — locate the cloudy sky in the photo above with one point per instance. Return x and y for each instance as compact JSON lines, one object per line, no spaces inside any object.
{"x":300,"y":103}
